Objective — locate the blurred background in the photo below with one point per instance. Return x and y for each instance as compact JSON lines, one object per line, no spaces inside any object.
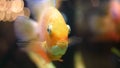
{"x":94,"y":37}
{"x":94,"y":40}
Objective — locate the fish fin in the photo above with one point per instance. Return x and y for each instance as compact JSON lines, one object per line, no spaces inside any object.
{"x":60,"y":60}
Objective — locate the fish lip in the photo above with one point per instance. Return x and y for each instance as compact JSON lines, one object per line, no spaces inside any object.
{"x":58,"y":50}
{"x":62,"y":44}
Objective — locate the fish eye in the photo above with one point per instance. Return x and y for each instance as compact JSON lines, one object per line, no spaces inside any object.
{"x":69,"y":29}
{"x":49,"y":28}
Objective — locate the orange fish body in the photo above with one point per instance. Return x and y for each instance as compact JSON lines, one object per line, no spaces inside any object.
{"x":54,"y":31}
{"x":50,"y":33}
{"x":46,"y":38}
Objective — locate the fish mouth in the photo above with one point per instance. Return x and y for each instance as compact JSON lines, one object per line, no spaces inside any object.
{"x":58,"y":50}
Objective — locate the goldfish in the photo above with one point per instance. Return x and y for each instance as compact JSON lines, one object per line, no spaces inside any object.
{"x":45,"y":38}
{"x":56,"y":34}
{"x":48,"y":17}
